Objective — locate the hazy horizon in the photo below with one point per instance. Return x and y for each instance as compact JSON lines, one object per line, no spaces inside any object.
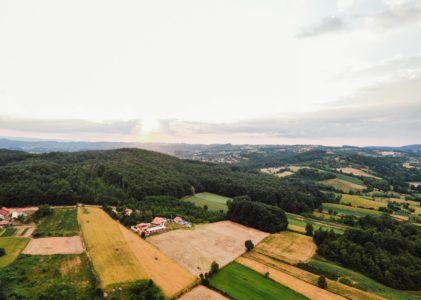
{"x":339,"y":72}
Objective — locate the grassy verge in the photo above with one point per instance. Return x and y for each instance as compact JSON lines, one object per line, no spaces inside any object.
{"x":240,"y":282}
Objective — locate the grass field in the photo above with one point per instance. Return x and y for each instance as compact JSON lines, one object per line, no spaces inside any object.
{"x":213,"y":201}
{"x":305,"y":276}
{"x":121,"y":256}
{"x":294,"y":283}
{"x":333,"y":271}
{"x":344,"y":185}
{"x":9,"y":231}
{"x":287,"y":246}
{"x":240,"y":282}
{"x":357,"y":172}
{"x":358,"y":201}
{"x":58,"y":276}
{"x":63,"y":222}
{"x":13,"y":247}
{"x":349,"y":210}
{"x":299,"y":225}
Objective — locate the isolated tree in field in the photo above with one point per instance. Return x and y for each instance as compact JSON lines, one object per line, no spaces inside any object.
{"x":214,"y":268}
{"x":321,"y":282}
{"x":309,"y":229}
{"x":2,"y":252}
{"x":205,"y":207}
{"x":249,"y":245}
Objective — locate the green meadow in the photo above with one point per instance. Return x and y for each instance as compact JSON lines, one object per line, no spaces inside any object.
{"x":62,"y":222}
{"x":240,"y":282}
{"x":213,"y":201}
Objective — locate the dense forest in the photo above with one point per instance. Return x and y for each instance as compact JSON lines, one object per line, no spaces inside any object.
{"x":126,"y":175}
{"x":380,"y":247}
{"x":257,"y":215}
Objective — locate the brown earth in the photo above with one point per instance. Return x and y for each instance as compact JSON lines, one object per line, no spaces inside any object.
{"x":287,"y":246}
{"x":202,"y":293}
{"x":196,"y":248}
{"x":55,"y":245}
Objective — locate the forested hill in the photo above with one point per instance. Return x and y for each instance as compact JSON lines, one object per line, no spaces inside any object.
{"x":116,"y":176}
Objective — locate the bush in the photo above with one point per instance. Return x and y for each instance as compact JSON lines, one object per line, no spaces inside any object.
{"x":214,"y":268}
{"x":2,"y":252}
{"x":309,"y":229}
{"x":321,"y":282}
{"x":249,"y":245}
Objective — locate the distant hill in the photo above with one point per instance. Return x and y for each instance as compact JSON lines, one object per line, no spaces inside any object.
{"x":409,"y":148}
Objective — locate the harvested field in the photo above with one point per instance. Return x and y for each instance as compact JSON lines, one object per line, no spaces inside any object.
{"x":121,"y":256}
{"x":358,"y":201}
{"x":343,"y":185}
{"x":287,"y":246}
{"x":202,"y":293}
{"x":356,"y":172}
{"x":55,"y":245}
{"x":302,"y":287}
{"x":196,"y":248}
{"x":332,"y":286}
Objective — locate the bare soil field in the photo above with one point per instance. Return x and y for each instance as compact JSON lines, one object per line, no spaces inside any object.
{"x":55,"y":245}
{"x":356,"y":172}
{"x":202,"y":293}
{"x":333,"y":286}
{"x":287,"y":246}
{"x":302,"y":287}
{"x":196,"y":248}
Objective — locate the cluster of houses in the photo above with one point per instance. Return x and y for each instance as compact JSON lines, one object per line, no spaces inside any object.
{"x":8,"y":215}
{"x":158,"y":224}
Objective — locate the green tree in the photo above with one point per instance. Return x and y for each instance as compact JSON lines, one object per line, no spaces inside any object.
{"x":249,"y":245}
{"x":321,"y":282}
{"x":214,"y":268}
{"x":309,"y":229}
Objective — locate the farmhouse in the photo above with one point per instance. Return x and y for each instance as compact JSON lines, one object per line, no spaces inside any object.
{"x":4,"y":223}
{"x":180,"y":221}
{"x":158,"y":221}
{"x":18,"y":212}
{"x":4,"y":213}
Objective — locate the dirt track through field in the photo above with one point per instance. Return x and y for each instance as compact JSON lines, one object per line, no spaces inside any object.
{"x":202,"y":293}
{"x":302,"y":287}
{"x":55,"y":245}
{"x":196,"y":248}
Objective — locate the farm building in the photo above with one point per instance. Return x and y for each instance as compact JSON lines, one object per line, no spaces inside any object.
{"x":4,"y":213}
{"x":158,"y":221}
{"x":16,"y":213}
{"x":180,"y":221}
{"x":4,"y":223}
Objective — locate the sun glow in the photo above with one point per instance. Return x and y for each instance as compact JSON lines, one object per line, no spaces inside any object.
{"x":149,"y":125}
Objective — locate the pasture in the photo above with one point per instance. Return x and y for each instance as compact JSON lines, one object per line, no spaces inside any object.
{"x":309,"y":290}
{"x":196,"y":248}
{"x":55,"y":245}
{"x":308,"y":277}
{"x":358,"y":201}
{"x":13,"y":247}
{"x":287,"y":246}
{"x":240,"y":282}
{"x":9,"y":232}
{"x":213,"y":201}
{"x":121,"y":256}
{"x":34,"y":277}
{"x":344,"y":185}
{"x":298,"y":224}
{"x":62,"y":222}
{"x":360,"y":281}
{"x":349,"y":210}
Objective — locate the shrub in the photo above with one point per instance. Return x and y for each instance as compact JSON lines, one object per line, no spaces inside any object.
{"x":321,"y":282}
{"x":2,"y":252}
{"x":249,"y":245}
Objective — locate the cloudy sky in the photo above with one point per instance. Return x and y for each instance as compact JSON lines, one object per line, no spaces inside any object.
{"x":299,"y":71}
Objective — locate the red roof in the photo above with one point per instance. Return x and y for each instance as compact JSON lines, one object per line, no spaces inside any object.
{"x":178,"y":219}
{"x":157,"y":221}
{"x":4,"y":222}
{"x":143,"y":225}
{"x":4,"y":211}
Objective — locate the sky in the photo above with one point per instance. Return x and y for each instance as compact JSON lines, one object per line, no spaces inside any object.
{"x":332,"y":72}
